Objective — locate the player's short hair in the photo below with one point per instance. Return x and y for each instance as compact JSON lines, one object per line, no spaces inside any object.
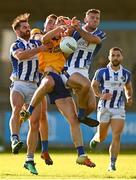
{"x":52,"y":16}
{"x":19,"y":19}
{"x":95,"y":11}
{"x":62,"y":18}
{"x":116,"y":49}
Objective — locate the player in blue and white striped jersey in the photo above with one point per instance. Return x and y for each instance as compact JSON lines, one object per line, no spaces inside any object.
{"x":24,"y":70}
{"x":111,"y":84}
{"x":24,"y":77}
{"x":87,"y":48}
{"x":24,"y":61}
{"x":89,"y":40}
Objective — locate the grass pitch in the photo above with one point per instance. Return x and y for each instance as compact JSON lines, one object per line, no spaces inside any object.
{"x":64,"y":167}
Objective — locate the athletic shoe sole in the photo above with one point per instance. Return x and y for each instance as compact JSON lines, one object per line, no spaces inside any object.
{"x":89,"y":122}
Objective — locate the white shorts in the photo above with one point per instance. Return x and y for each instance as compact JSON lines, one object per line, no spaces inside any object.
{"x":26,"y":89}
{"x":105,"y":115}
{"x":72,"y":70}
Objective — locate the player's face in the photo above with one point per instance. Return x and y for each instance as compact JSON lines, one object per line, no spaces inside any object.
{"x":60,"y":22}
{"x":92,"y":20}
{"x":24,"y":30}
{"x":115,"y":57}
{"x":49,"y":24}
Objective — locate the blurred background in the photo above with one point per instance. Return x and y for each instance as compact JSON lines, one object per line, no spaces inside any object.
{"x":118,"y":20}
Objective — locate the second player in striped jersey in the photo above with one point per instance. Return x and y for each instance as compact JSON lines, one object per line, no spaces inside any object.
{"x":110,"y":84}
{"x":89,"y":40}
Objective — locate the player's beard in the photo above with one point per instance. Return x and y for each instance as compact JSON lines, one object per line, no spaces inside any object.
{"x":25,"y":35}
{"x":115,"y":63}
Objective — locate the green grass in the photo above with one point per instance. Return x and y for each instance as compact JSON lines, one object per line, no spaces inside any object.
{"x":11,"y":167}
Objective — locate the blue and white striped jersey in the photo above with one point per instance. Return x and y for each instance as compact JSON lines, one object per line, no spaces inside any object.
{"x":82,"y":57}
{"x":112,"y":82}
{"x":24,"y":70}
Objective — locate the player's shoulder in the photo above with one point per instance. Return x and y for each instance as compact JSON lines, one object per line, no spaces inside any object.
{"x":17,"y":44}
{"x":100,"y":33}
{"x":126,"y":71}
{"x":104,"y":69}
{"x":101,"y":71}
{"x":14,"y":45}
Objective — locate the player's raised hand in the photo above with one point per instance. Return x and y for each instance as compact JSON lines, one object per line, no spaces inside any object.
{"x":75,"y":22}
{"x":106,"y":96}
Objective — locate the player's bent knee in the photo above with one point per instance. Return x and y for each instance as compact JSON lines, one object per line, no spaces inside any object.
{"x":16,"y":109}
{"x":47,"y":86}
{"x":86,"y":85}
{"x":116,"y":135}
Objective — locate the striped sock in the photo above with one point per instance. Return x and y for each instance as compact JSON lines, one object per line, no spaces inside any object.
{"x":30,"y":157}
{"x":14,"y":137}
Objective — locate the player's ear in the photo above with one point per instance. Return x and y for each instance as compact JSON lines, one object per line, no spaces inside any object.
{"x":17,"y":31}
{"x":85,"y":20}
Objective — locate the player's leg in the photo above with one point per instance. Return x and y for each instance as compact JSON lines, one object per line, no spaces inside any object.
{"x":85,"y":96}
{"x":44,"y":133}
{"x":100,"y":135}
{"x":16,"y":101}
{"x":45,"y":87}
{"x":81,"y":85}
{"x":117,"y":126}
{"x":91,"y":101}
{"x":32,"y":139}
{"x":103,"y":116}
{"x":68,"y":109}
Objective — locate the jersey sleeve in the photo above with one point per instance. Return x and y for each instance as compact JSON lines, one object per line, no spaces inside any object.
{"x":129,"y":75}
{"x":76,"y":35}
{"x":15,"y":47}
{"x":99,"y":33}
{"x":39,"y":43}
{"x":126,"y":75}
{"x":98,"y":76}
{"x":36,"y":43}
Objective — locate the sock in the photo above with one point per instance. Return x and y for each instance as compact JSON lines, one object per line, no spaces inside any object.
{"x":30,"y":157}
{"x":113,"y":160}
{"x":14,"y":137}
{"x":81,"y":113}
{"x":44,"y":145}
{"x":80,"y":150}
{"x":30,"y":109}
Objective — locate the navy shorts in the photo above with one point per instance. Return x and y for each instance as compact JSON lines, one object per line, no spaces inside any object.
{"x":59,"y":90}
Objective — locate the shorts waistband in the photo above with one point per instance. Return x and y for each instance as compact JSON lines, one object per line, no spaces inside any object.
{"x":34,"y":82}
